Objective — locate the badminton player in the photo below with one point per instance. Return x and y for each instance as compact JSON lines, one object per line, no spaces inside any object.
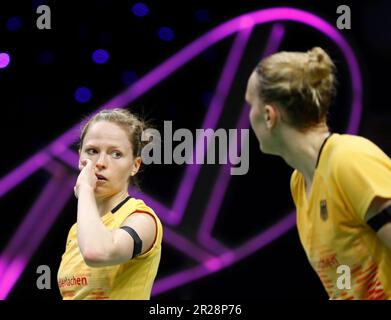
{"x":341,"y":183}
{"x":113,"y":251}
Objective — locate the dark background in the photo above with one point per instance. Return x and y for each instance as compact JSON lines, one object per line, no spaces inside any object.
{"x":38,"y":104}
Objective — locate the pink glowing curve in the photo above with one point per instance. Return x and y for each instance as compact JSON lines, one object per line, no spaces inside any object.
{"x":227,"y":257}
{"x":60,"y":147}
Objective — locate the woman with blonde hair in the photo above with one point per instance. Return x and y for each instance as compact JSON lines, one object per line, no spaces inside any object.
{"x":341,"y":184}
{"x":113,"y":251}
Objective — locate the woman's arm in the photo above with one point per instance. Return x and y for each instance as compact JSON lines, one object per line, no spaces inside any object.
{"x":98,"y":245}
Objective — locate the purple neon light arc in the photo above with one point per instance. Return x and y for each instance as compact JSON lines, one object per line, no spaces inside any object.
{"x":274,"y":41}
{"x":23,"y":171}
{"x":225,"y":82}
{"x":221,"y":184}
{"x":288,"y":222}
{"x":70,"y":157}
{"x":210,"y":121}
{"x":189,"y":52}
{"x":37,"y":215}
{"x":178,"y":279}
{"x":185,"y":246}
{"x":170,"y":236}
{"x":254,"y":244}
{"x":217,"y":196}
{"x":12,"y":267}
{"x":18,"y":263}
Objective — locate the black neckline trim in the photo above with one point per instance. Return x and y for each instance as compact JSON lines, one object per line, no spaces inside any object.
{"x":321,"y":149}
{"x":118,"y":206}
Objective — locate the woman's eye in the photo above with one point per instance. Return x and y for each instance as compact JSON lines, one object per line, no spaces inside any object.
{"x":91,"y":151}
{"x":117,"y":154}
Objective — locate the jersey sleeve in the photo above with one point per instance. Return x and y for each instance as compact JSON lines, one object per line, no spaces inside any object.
{"x":140,"y":207}
{"x":361,"y":175}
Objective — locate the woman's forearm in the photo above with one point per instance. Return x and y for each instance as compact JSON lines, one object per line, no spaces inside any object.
{"x":94,"y":239}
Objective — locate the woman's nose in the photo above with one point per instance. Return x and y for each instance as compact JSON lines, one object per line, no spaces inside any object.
{"x":101,"y":161}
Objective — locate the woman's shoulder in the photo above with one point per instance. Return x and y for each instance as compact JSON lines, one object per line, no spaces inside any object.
{"x":350,"y":154}
{"x":140,"y":205}
{"x":133,"y":206}
{"x":351,"y":143}
{"x":136,"y":205}
{"x":346,"y":148}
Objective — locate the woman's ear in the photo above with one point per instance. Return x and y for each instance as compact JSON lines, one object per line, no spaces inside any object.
{"x":271,"y":116}
{"x":136,"y":166}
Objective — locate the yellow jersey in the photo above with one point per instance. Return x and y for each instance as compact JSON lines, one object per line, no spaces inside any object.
{"x":128,"y":281}
{"x":331,"y":221}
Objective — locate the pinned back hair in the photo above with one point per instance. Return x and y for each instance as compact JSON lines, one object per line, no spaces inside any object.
{"x":302,"y":84}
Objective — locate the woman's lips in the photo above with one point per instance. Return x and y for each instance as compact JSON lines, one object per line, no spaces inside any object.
{"x":100,"y":177}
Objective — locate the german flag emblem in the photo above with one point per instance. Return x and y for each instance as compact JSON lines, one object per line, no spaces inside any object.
{"x":323,"y":210}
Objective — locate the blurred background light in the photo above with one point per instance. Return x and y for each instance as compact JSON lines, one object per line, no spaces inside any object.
{"x":166,"y":34}
{"x":83,"y":94}
{"x":4,"y":60}
{"x":100,"y":56}
{"x":140,"y":9}
{"x":14,"y":24}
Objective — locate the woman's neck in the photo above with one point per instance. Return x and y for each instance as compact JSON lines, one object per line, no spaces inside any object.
{"x":301,"y":150}
{"x":106,"y":204}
